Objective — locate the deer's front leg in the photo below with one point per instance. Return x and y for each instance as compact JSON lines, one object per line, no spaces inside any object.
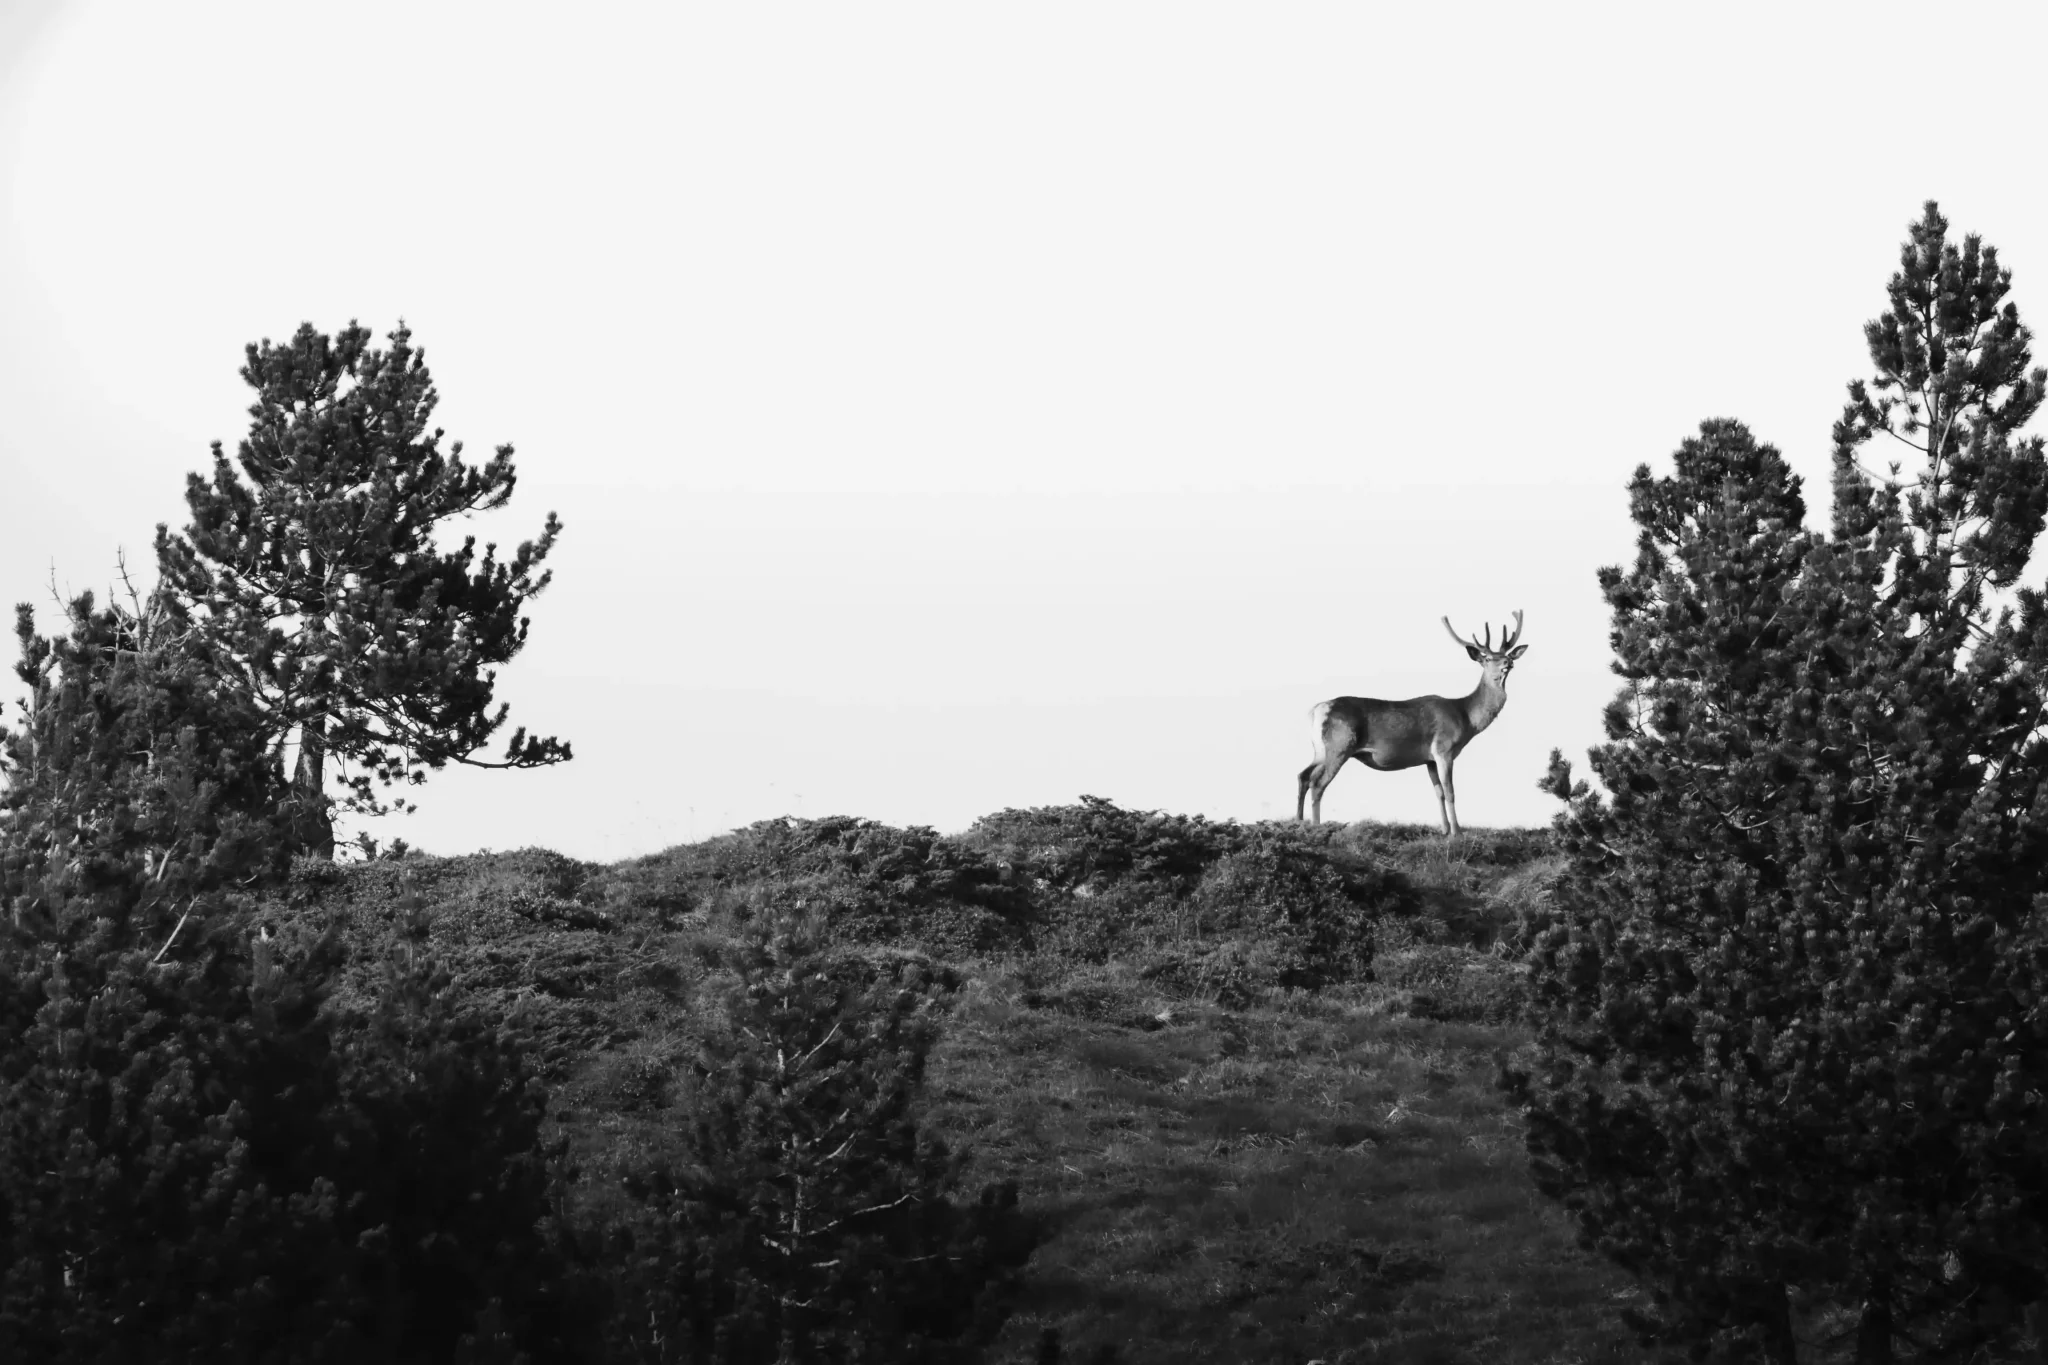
{"x":1437,"y":780}
{"x":1447,"y":793}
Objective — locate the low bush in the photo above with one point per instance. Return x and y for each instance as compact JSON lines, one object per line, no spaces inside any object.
{"x":520,"y":930}
{"x":1211,"y":908}
{"x":1226,"y":910}
{"x":867,"y":882}
{"x":1087,"y":847}
{"x":1316,"y":913}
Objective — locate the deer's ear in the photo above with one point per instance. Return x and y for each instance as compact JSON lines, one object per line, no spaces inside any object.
{"x":1517,"y":652}
{"x":1476,"y":656}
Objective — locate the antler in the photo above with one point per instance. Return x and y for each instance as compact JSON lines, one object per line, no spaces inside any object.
{"x":1507,"y":641}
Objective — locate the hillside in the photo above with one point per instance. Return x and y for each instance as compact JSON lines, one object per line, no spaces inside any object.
{"x":1243,"y":1074}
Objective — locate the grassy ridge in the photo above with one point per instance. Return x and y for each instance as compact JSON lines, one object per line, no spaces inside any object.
{"x":1242,"y":1152}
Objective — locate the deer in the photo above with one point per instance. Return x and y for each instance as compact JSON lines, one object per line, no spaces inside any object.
{"x":1428,"y":731}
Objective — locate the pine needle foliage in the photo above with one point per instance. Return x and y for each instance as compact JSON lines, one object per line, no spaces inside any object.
{"x":1793,"y":1036}
{"x":200,"y":1162}
{"x":137,"y":783}
{"x":312,"y":565}
{"x":201,"y":1159}
{"x":812,"y":1220}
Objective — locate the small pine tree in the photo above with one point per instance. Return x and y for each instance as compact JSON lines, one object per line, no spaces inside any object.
{"x":812,"y":1222}
{"x":1794,"y":1024}
{"x":318,"y":587}
{"x":134,"y":770}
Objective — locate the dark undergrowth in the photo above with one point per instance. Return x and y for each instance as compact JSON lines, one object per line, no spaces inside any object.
{"x":1241,"y":1075}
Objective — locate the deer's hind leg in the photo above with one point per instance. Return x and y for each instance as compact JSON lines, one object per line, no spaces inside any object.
{"x":1315,"y":779}
{"x":1317,"y":776}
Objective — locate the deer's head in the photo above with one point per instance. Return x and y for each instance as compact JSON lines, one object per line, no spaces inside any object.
{"x":1496,"y":662}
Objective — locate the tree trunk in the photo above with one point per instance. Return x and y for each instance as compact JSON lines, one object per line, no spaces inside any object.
{"x":1874,"y":1333}
{"x":312,"y":825}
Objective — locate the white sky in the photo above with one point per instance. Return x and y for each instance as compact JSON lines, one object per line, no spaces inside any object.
{"x":954,"y":406}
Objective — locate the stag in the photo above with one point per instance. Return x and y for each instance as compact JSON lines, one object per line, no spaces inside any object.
{"x":1430,"y":731}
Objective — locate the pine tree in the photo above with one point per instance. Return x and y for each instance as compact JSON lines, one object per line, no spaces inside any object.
{"x":320,"y":588}
{"x":138,"y":1040}
{"x":200,"y":1159}
{"x":1794,"y":1025}
{"x":812,"y":1222}
{"x":137,"y":784}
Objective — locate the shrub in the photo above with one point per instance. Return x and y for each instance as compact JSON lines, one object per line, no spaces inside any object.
{"x":811,"y":1220}
{"x":511,"y":930}
{"x":1086,"y":882}
{"x":202,"y":1161}
{"x":868,"y":882}
{"x":1316,"y":916}
{"x":1234,"y":909}
{"x":1095,"y":844}
{"x":456,"y":1217}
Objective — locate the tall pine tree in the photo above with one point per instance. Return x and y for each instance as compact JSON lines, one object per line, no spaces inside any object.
{"x":1793,"y":1034}
{"x":315,"y":577}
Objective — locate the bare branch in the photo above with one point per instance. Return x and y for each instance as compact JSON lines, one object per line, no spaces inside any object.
{"x":174,"y":935}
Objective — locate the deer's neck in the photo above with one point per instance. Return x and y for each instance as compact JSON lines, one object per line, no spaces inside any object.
{"x":1484,"y":704}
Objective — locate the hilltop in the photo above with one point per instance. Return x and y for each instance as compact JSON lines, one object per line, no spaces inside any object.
{"x":1243,"y":1074}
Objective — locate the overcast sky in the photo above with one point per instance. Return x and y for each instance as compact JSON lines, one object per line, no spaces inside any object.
{"x":961,"y":406}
